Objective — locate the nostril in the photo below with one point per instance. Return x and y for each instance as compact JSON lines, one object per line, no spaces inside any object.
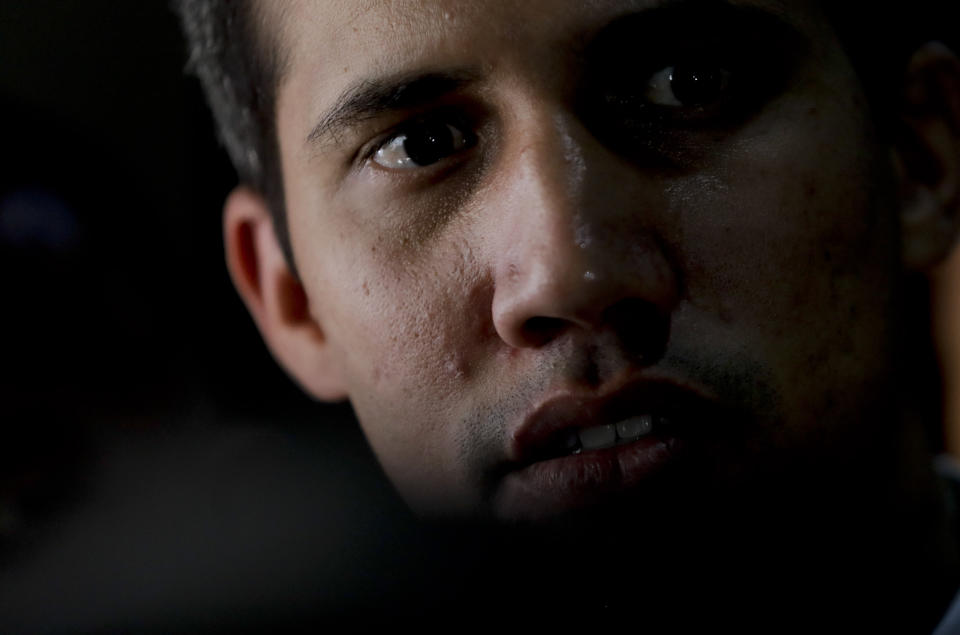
{"x":540,"y":330}
{"x":642,"y":327}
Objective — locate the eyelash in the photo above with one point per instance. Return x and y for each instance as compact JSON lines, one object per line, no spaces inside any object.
{"x":465,"y":137}
{"x":746,"y":80}
{"x":741,"y":87}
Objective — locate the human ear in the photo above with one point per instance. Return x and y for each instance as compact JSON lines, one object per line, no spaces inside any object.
{"x":928,"y":156}
{"x":275,"y":297}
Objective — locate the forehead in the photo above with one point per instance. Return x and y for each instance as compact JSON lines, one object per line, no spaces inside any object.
{"x":334,"y":41}
{"x":364,"y":23}
{"x":330,"y":48}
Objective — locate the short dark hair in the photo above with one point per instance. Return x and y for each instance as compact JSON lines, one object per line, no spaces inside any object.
{"x":240,"y":64}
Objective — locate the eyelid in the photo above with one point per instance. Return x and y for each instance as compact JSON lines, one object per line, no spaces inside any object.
{"x":747,"y":83}
{"x":449,"y":115}
{"x":460,"y":142}
{"x":660,"y":90}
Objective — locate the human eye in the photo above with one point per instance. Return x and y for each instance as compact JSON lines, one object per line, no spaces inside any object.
{"x":672,"y":71}
{"x":688,"y":84}
{"x":687,"y":89}
{"x":422,"y":143}
{"x":673,"y":104}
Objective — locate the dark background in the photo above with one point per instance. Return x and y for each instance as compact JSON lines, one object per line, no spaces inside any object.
{"x":157,"y":469}
{"x":115,"y":291}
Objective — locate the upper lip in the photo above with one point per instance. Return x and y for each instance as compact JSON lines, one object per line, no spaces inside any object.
{"x":539,"y":434}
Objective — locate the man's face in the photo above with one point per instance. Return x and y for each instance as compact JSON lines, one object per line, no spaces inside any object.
{"x":567,"y":253}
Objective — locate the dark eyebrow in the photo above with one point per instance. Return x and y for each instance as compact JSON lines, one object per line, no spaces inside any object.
{"x":656,"y":23}
{"x":369,"y":98}
{"x":372,"y":97}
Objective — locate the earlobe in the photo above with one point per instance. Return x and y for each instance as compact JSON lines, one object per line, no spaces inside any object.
{"x":928,"y":156}
{"x":276,"y":298}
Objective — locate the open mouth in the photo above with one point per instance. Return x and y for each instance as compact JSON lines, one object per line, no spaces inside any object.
{"x":573,"y":424}
{"x":609,"y":435}
{"x":577,"y":450}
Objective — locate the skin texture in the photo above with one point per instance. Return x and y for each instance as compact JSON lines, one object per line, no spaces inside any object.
{"x":753,"y":258}
{"x":587,"y":232}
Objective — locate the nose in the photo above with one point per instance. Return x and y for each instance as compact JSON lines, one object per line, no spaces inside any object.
{"x":576,"y":250}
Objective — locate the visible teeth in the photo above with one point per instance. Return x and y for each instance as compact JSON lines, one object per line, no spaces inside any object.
{"x":605,"y":436}
{"x":635,"y":427}
{"x":598,"y":437}
{"x":571,"y":442}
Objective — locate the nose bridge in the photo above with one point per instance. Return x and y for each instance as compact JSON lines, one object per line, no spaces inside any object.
{"x":569,"y":246}
{"x":545,"y":173}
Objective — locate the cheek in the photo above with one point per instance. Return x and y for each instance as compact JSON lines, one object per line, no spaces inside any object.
{"x":414,"y":341}
{"x":799,"y":224}
{"x":409,"y":329}
{"x":790,"y":243}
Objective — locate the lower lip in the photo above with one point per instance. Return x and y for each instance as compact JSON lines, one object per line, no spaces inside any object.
{"x":553,"y":487}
